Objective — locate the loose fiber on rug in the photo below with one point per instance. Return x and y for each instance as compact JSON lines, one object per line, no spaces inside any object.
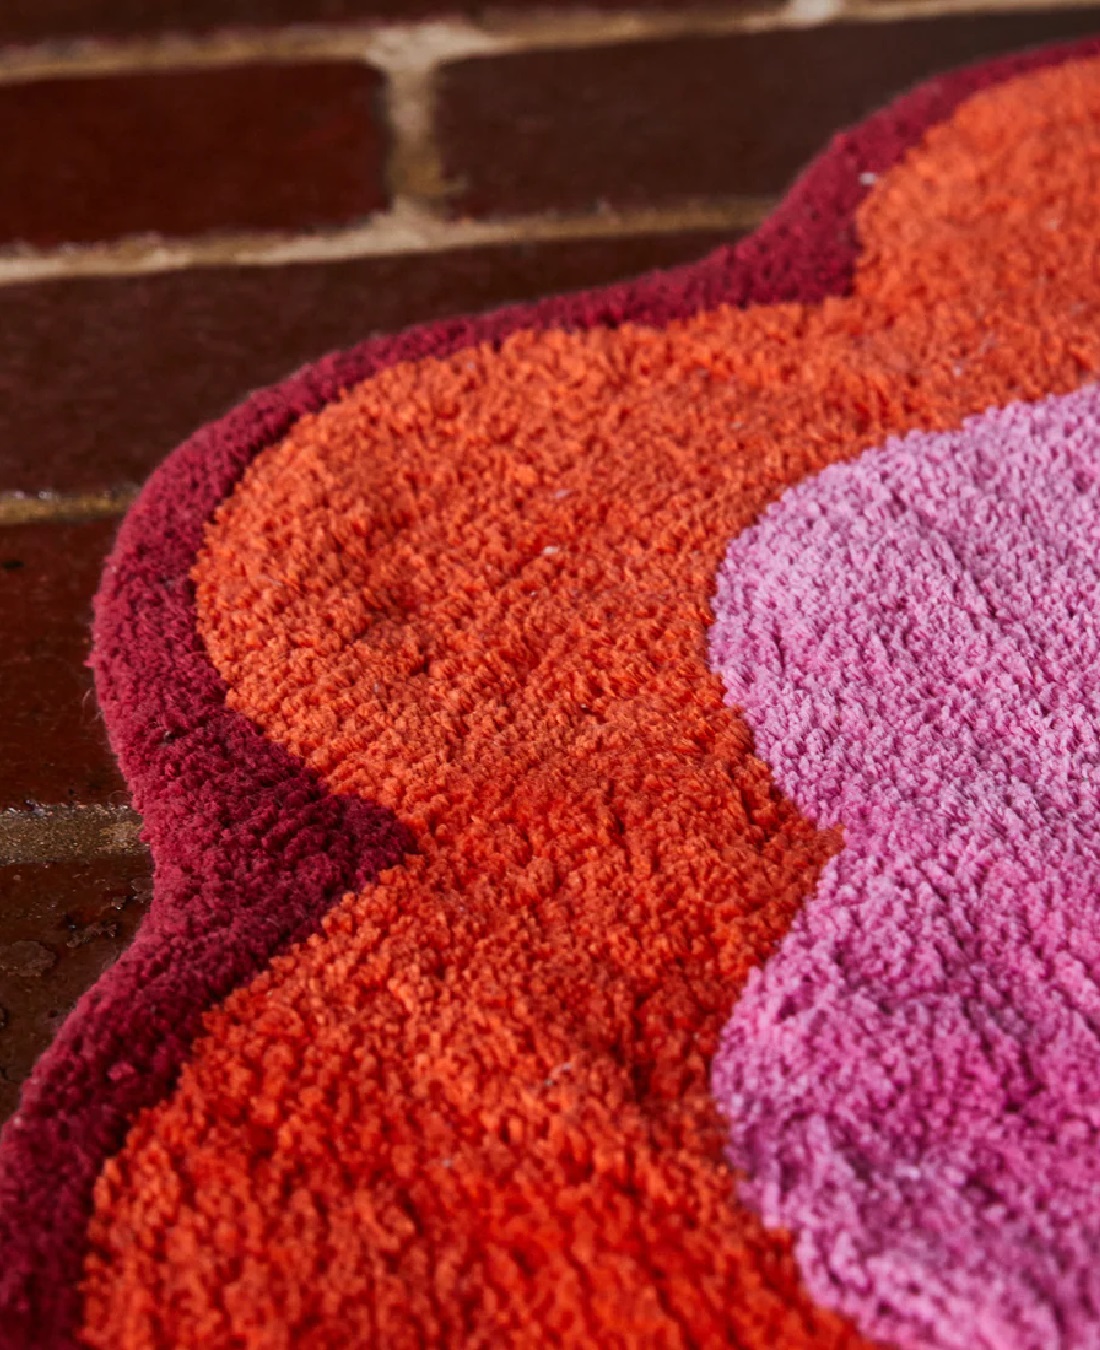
{"x":621,"y":775}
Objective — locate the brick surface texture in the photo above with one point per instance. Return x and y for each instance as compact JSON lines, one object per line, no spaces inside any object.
{"x":53,"y":748}
{"x":61,"y":926}
{"x":184,"y":152}
{"x":693,"y":117}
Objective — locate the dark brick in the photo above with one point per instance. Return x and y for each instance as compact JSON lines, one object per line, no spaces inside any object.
{"x":61,"y":926}
{"x":652,"y":122}
{"x":100,"y":378}
{"x":53,"y":747}
{"x":185,"y":152}
{"x":24,"y":20}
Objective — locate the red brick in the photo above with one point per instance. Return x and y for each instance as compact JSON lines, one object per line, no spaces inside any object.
{"x":61,"y":926}
{"x":189,"y":151}
{"x":99,"y":379}
{"x":658,"y":122}
{"x":53,"y":747}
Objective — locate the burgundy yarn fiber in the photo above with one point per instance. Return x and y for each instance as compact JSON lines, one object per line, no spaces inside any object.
{"x":250,"y":849}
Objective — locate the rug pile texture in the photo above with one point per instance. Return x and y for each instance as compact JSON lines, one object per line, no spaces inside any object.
{"x":622,"y":775}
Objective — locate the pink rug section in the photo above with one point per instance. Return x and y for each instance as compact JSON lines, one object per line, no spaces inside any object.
{"x":250,"y":850}
{"x":914,"y":1078}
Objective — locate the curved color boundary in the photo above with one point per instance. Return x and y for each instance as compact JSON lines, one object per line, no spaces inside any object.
{"x":249,"y":848}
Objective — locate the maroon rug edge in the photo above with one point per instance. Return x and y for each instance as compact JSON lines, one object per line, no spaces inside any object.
{"x":250,"y":849}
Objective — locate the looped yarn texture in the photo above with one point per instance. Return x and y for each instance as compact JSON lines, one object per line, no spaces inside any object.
{"x":476,"y":1106}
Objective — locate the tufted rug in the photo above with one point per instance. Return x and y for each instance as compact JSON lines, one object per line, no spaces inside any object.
{"x":622,"y":775}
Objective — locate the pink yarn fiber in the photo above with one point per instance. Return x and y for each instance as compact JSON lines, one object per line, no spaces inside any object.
{"x":913,"y":1080}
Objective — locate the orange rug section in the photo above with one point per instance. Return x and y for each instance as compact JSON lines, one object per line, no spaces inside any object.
{"x":474,"y":1109}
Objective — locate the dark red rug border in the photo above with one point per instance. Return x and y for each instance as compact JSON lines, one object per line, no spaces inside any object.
{"x":250,"y":849}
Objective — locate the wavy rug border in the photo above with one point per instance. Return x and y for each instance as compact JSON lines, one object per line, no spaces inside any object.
{"x":249,"y":848}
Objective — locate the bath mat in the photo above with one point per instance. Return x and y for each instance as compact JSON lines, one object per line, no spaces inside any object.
{"x":621,"y":777}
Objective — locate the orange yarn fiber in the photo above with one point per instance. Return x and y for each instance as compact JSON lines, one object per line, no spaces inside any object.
{"x":474,"y":1109}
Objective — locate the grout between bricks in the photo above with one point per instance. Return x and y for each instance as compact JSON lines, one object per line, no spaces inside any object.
{"x":410,"y":226}
{"x":21,"y":508}
{"x":415,"y":174}
{"x":69,"y":833}
{"x":395,"y":48}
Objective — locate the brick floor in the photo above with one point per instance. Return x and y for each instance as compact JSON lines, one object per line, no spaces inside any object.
{"x":61,"y":925}
{"x":639,"y":122}
{"x":563,"y":168}
{"x":53,"y":748}
{"x":180,"y":152}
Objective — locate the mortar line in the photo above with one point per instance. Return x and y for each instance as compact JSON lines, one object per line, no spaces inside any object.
{"x":408,"y":228}
{"x":415,"y":166}
{"x":397,"y":47}
{"x":69,"y":833}
{"x":19,"y":508}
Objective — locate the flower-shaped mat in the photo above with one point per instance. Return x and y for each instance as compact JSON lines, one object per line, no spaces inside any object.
{"x":621,"y":777}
